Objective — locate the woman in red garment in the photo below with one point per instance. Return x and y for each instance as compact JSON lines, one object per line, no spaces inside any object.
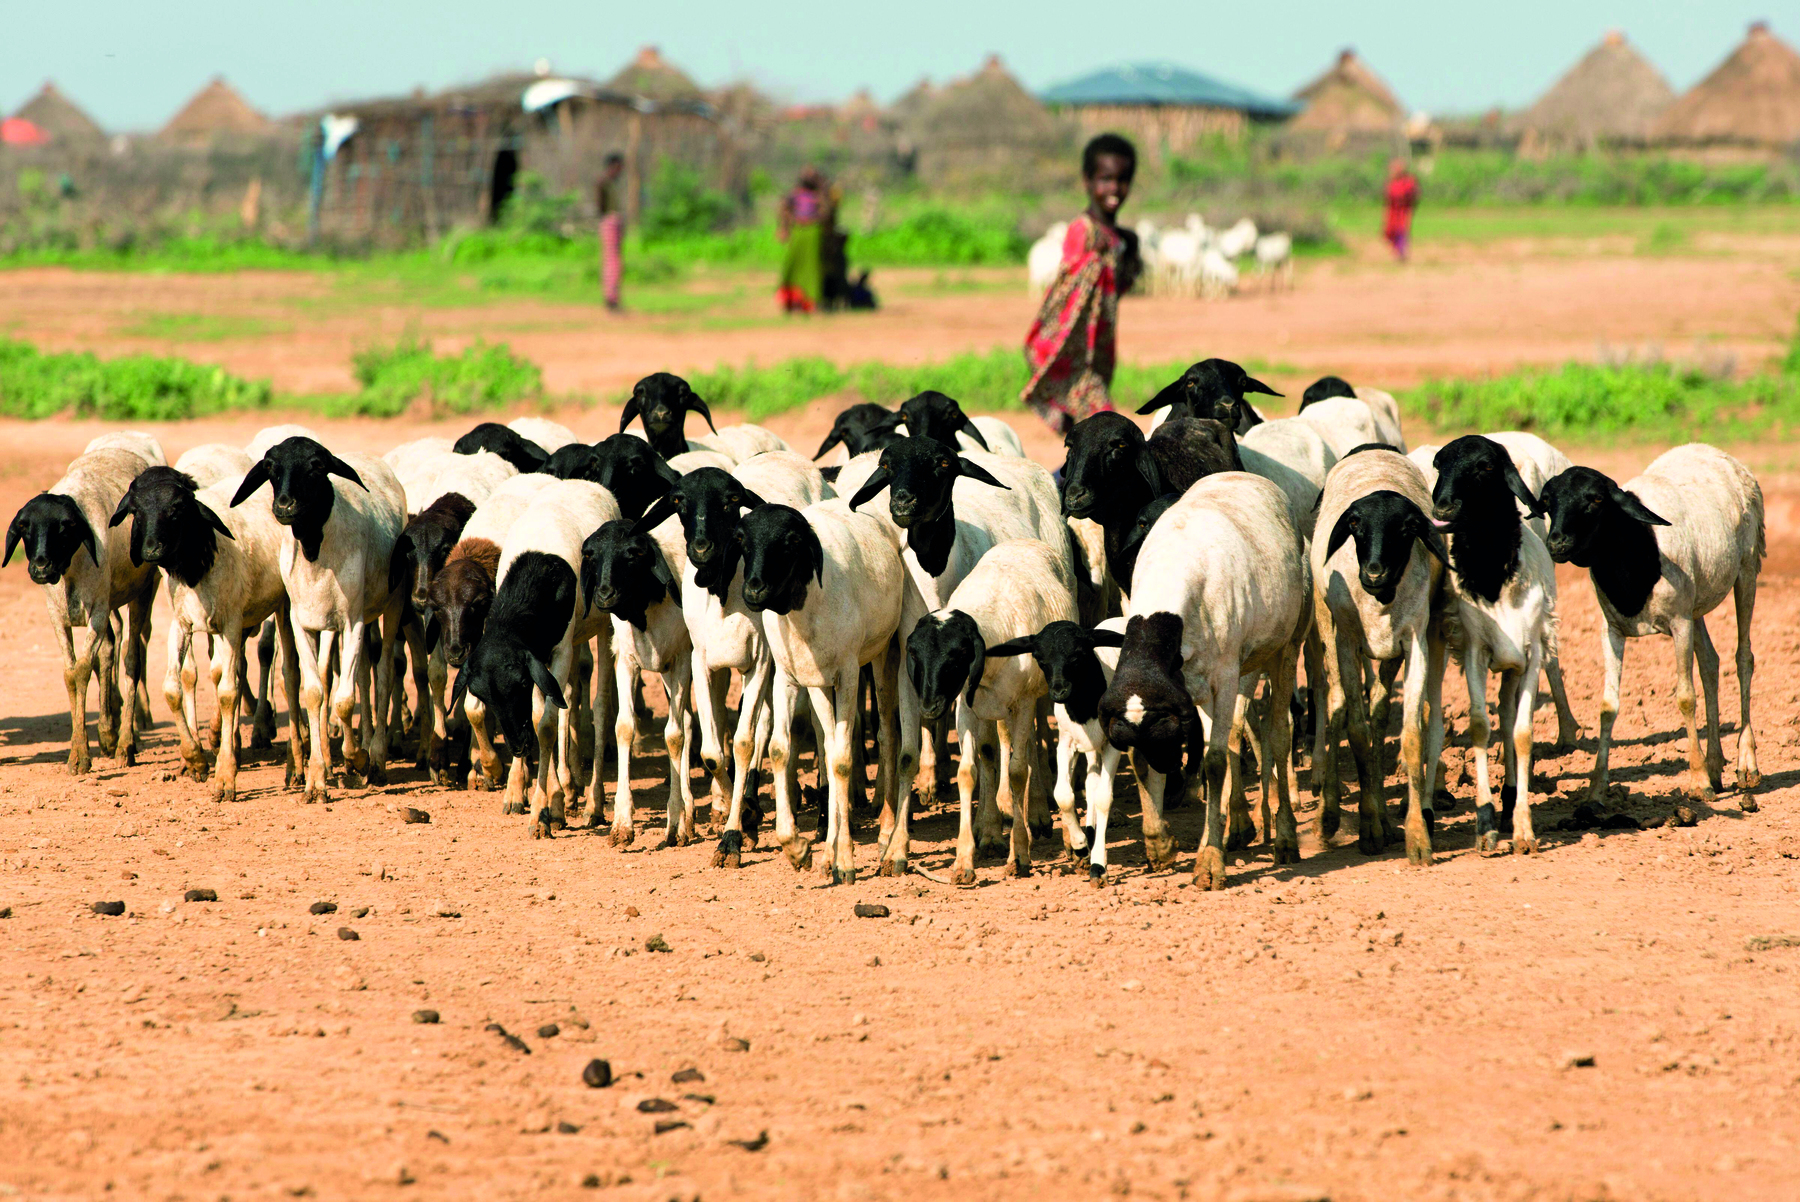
{"x":1402,"y":199}
{"x":1072,"y":346}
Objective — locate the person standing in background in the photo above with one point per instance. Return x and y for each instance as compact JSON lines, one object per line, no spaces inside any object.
{"x":611,"y":207}
{"x":1071,"y":349}
{"x":802,"y":227}
{"x":1402,"y":199}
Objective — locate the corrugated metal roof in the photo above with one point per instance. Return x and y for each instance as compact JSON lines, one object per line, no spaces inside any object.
{"x":1165,"y":83}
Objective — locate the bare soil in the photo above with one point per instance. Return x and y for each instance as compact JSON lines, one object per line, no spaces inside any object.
{"x":1614,"y":1019}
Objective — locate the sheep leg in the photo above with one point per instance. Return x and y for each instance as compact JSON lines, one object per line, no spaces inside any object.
{"x":344,"y":697}
{"x":1278,"y":769}
{"x":1381,"y":710}
{"x":966,"y":766}
{"x":710,"y":688}
{"x":709,"y":701}
{"x":310,"y":645}
{"x":486,"y":774}
{"x":1209,"y":863}
{"x":1683,"y":631}
{"x":387,"y":685}
{"x":578,"y":735}
{"x":679,"y":830}
{"x":1159,"y":842}
{"x":1412,"y":738}
{"x":437,"y":760}
{"x":1436,"y":654}
{"x":625,"y":739}
{"x":1475,"y":660}
{"x":1017,"y":733}
{"x":1524,"y":836}
{"x":883,"y":670}
{"x":295,"y":776}
{"x":75,"y":679}
{"x":131,"y":663}
{"x":1239,"y":831}
{"x":1039,"y":810}
{"x":782,"y":699}
{"x":174,"y":696}
{"x":195,"y":651}
{"x":1612,"y":650}
{"x":262,"y":722}
{"x":427,"y":730}
{"x":555,"y":773}
{"x":1373,"y":831}
{"x":1748,"y":778}
{"x":1325,"y":672}
{"x":103,"y":666}
{"x":837,"y":702}
{"x":231,"y":671}
{"x":1568,"y":730}
{"x":1099,"y":800}
{"x":1709,"y":691}
{"x":899,"y":707}
{"x":140,"y":663}
{"x":1074,"y":839}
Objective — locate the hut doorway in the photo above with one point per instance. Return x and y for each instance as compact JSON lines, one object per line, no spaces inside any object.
{"x":500,"y":186}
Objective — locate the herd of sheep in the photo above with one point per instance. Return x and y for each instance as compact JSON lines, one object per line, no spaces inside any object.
{"x":1191,"y":259}
{"x":930,"y":579}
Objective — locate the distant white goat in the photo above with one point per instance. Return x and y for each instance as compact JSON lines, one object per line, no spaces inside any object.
{"x":1275,"y":259}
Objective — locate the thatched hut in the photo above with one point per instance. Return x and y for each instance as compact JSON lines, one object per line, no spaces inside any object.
{"x":1164,"y":108}
{"x":1348,"y":99}
{"x":1613,"y":96}
{"x":215,"y":112}
{"x":987,"y":126}
{"x":402,"y":170}
{"x":59,"y":118}
{"x":1750,"y":101}
{"x":653,"y":77}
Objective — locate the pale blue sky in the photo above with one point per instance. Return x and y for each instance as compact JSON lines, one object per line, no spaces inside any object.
{"x":132,"y":63}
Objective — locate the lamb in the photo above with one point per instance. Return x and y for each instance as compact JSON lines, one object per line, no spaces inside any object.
{"x":1078,"y":664}
{"x":268,"y":436}
{"x":86,"y":576}
{"x":1382,"y":407}
{"x":211,"y":462}
{"x":334,"y":560}
{"x":525,"y":660}
{"x":726,"y":635}
{"x":1501,"y":611}
{"x":509,"y":444}
{"x":633,"y":574}
{"x":137,"y":442}
{"x":1017,"y":589}
{"x":1663,"y":551}
{"x":1275,"y":258}
{"x":224,"y":568}
{"x":542,"y":432}
{"x":1377,"y":583}
{"x":834,"y":593}
{"x":1223,"y":594}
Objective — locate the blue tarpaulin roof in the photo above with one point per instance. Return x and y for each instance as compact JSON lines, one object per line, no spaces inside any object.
{"x":1164,"y":83}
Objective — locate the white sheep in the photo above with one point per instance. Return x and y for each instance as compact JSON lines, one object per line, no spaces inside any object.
{"x":473,"y":476}
{"x":138,"y":442}
{"x":1294,"y":455}
{"x":1237,"y":241}
{"x":1345,"y":423}
{"x":211,"y":462}
{"x":268,"y":436}
{"x":544,"y":432}
{"x":1275,"y":259}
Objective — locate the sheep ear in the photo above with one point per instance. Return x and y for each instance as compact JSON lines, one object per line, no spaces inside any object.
{"x":630,"y":411}
{"x":217,"y":523}
{"x":974,"y":431}
{"x":14,"y":533}
{"x":694,"y":404}
{"x":127,"y":507}
{"x":1146,"y":466}
{"x":546,"y":683}
{"x":818,"y":558}
{"x":460,"y":688}
{"x":255,"y":478}
{"x":874,"y":484}
{"x":975,"y":471}
{"x":1635,"y":508}
{"x":977,"y":668}
{"x":87,"y":540}
{"x":1251,"y":385}
{"x":1244,"y":416}
{"x":397,"y":561}
{"x":1103,"y":637}
{"x":666,"y":474}
{"x":660,"y":511}
{"x":337,"y":467}
{"x":1516,"y":483}
{"x":835,"y":438}
{"x":659,"y":568}
{"x":1023,"y":645}
{"x":1429,"y":538}
{"x":1339,"y":533}
{"x":745,"y":499}
{"x":1168,"y":396}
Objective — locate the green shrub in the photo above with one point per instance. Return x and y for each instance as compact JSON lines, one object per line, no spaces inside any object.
{"x":130,"y":388}
{"x":681,"y":205}
{"x":483,"y":376}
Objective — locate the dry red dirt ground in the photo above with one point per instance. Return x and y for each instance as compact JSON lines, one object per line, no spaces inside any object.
{"x":1604,"y":1021}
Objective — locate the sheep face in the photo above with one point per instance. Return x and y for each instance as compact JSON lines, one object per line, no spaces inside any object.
{"x":575,"y":461}
{"x":1475,"y":474}
{"x":1065,"y":654}
{"x":622,"y":571}
{"x":634,"y":473}
{"x":507,"y":443}
{"x":664,"y":401}
{"x":945,"y":655}
{"x":172,"y":529}
{"x":920,"y":474}
{"x":933,"y":415}
{"x":708,"y":501}
{"x":1582,"y":504}
{"x":52,"y":528}
{"x":420,"y":551}
{"x":1212,"y":388}
{"x":459,"y":598}
{"x":861,"y":427}
{"x":1324,"y":388}
{"x":299,"y":471}
{"x":1148,"y":708}
{"x":1103,"y":451}
{"x":781,"y":555}
{"x":1384,"y":525}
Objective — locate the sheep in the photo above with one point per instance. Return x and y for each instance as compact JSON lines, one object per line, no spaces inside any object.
{"x":419,"y":553}
{"x":1078,"y":664}
{"x":525,"y":660}
{"x":726,"y":635}
{"x":137,"y":442}
{"x":862,"y":427}
{"x":1345,"y":423}
{"x":1213,"y":388}
{"x":629,"y":468}
{"x":509,"y":444}
{"x":745,"y":441}
{"x":663,"y":401}
{"x":523,"y":486}
{"x":334,"y":559}
{"x":1383,"y":409}
{"x":407,"y":458}
{"x":690,"y":461}
{"x":834,"y":593}
{"x":1018,"y":588}
{"x":931,"y":414}
{"x":87,"y":575}
{"x":1178,"y":257}
{"x":1237,"y":241}
{"x":211,"y":462}
{"x":1662,"y":552}
{"x":542,"y":432}
{"x":268,"y":436}
{"x":1291,"y":453}
{"x":633,"y":574}
{"x":1501,"y":611}
{"x":1044,"y":259}
{"x":1275,"y":258}
{"x":1223,"y":594}
{"x":474,"y":477}
{"x":1377,"y":578}
{"x":222,"y":586}
{"x":1538,"y":463}
{"x":1218,"y":274}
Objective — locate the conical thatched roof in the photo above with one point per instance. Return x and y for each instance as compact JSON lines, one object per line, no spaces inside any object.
{"x":215,"y":110}
{"x":1752,"y":97}
{"x":987,"y":111}
{"x":653,"y":77}
{"x":1613,"y":94}
{"x":1348,"y":98}
{"x":58,"y":116}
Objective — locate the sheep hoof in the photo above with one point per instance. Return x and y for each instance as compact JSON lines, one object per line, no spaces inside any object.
{"x":1097,"y":875}
{"x":199,"y":769}
{"x":1487,"y":842}
{"x":544,"y":827}
{"x":294,"y":779}
{"x":1159,"y":849}
{"x":842,"y":876}
{"x":1748,"y":778}
{"x":893,"y":867}
{"x":79,"y":764}
{"x":963,"y":877}
{"x":1525,"y":847}
{"x":622,"y":835}
{"x":1241,"y":836}
{"x":1329,"y":819}
{"x":1209,"y":869}
{"x":316,"y":793}
{"x":1418,"y":853}
{"x":1287,"y":852}
{"x":1702,"y":794}
{"x":352,"y":779}
{"x":127,"y":758}
{"x":1042,"y":830}
{"x":377,"y":774}
{"x":226,"y":793}
{"x":1015,"y":867}
{"x":730,"y":852}
{"x":1747,"y":804}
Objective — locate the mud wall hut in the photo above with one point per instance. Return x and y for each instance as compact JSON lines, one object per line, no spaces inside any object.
{"x":1750,"y":102}
{"x":1612,"y":97}
{"x":1163,"y":108}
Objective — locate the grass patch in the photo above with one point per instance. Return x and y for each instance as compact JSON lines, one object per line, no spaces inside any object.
{"x":200,"y":327}
{"x":409,"y":373}
{"x":130,"y":388}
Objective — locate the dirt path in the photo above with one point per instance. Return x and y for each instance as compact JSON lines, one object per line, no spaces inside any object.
{"x":1345,"y":1028}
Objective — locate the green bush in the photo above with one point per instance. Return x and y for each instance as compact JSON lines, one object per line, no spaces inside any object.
{"x":681,"y":205}
{"x":130,"y":388}
{"x":942,"y":235}
{"x":483,"y":376}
